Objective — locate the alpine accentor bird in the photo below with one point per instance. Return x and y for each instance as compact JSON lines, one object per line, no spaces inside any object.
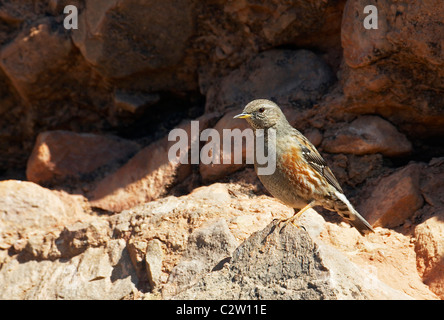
{"x":302,"y":178}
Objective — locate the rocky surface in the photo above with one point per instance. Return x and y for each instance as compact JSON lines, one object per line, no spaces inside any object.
{"x":91,"y":207}
{"x":218,"y":237}
{"x":288,"y":264}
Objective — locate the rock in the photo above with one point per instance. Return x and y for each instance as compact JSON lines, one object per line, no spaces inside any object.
{"x":153,"y":263}
{"x":288,"y":264}
{"x":289,"y":78}
{"x":34,"y":55}
{"x":216,"y":193}
{"x":76,"y":238}
{"x":394,"y":198}
{"x":362,"y":168}
{"x":123,"y":38}
{"x":58,"y":155}
{"x":352,"y":170}
{"x":367,"y":135}
{"x":387,"y":255}
{"x":230,"y":33}
{"x":179,"y":244}
{"x":206,"y":247}
{"x":432,"y":184}
{"x":314,"y":136}
{"x":429,"y":233}
{"x":137,"y":250}
{"x":98,"y":273}
{"x":145,"y":177}
{"x":172,"y":220}
{"x":134,"y":103}
{"x":25,"y":208}
{"x":396,"y":70}
{"x":227,"y":165}
{"x":429,"y":249}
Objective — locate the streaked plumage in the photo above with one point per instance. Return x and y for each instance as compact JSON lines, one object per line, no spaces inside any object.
{"x":302,"y":178}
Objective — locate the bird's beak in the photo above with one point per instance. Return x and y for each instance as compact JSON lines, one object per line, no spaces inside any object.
{"x":242,"y":116}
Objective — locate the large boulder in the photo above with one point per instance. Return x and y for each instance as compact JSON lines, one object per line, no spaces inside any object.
{"x":286,"y":263}
{"x":289,"y":77}
{"x":182,"y":247}
{"x":148,"y":175}
{"x":397,"y":69}
{"x":123,"y":38}
{"x":34,"y":57}
{"x":58,"y":155}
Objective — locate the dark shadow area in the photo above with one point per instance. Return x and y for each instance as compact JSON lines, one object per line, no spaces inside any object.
{"x":153,"y":122}
{"x":124,"y":268}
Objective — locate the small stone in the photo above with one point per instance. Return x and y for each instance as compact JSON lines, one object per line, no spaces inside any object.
{"x":153,"y":261}
{"x":367,"y":135}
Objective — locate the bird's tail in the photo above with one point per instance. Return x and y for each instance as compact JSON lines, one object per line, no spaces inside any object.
{"x":352,"y":216}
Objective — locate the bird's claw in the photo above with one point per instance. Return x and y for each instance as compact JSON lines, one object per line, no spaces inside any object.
{"x":285,"y":223}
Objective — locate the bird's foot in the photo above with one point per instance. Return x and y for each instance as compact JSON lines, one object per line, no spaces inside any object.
{"x":282,"y":223}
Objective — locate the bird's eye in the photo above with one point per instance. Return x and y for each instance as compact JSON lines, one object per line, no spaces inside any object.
{"x":261,"y":110}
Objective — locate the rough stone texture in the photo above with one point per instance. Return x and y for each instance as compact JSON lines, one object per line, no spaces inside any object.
{"x":227,"y":165}
{"x":290,"y":78}
{"x":98,"y":273}
{"x":232,"y":32}
{"x":288,"y":264}
{"x":394,"y":199}
{"x":136,"y":69}
{"x":396,"y":70}
{"x":206,"y":247}
{"x":429,"y":248}
{"x":388,"y":255}
{"x":432,"y":184}
{"x":122,"y":38}
{"x":36,"y":56}
{"x":367,"y":135}
{"x":118,"y":256}
{"x":27,"y":207}
{"x":58,"y":155}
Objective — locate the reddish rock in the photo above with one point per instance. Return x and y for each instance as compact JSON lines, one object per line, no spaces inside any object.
{"x":429,"y":249}
{"x":100,"y":248}
{"x":367,"y":135}
{"x":146,"y":177}
{"x":231,"y":32}
{"x":314,"y":135}
{"x":395,"y":70}
{"x":394,"y":198}
{"x":386,"y":254}
{"x":213,"y":171}
{"x":28,"y":59}
{"x":61,"y":154}
{"x":26,"y":208}
{"x":432,"y":183}
{"x":123,"y":38}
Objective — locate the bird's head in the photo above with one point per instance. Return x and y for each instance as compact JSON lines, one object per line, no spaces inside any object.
{"x":262,"y":114}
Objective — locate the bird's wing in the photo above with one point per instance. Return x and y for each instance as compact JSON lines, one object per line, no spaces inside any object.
{"x":315,"y":160}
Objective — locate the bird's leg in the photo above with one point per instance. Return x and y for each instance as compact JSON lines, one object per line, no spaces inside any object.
{"x":296,"y":216}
